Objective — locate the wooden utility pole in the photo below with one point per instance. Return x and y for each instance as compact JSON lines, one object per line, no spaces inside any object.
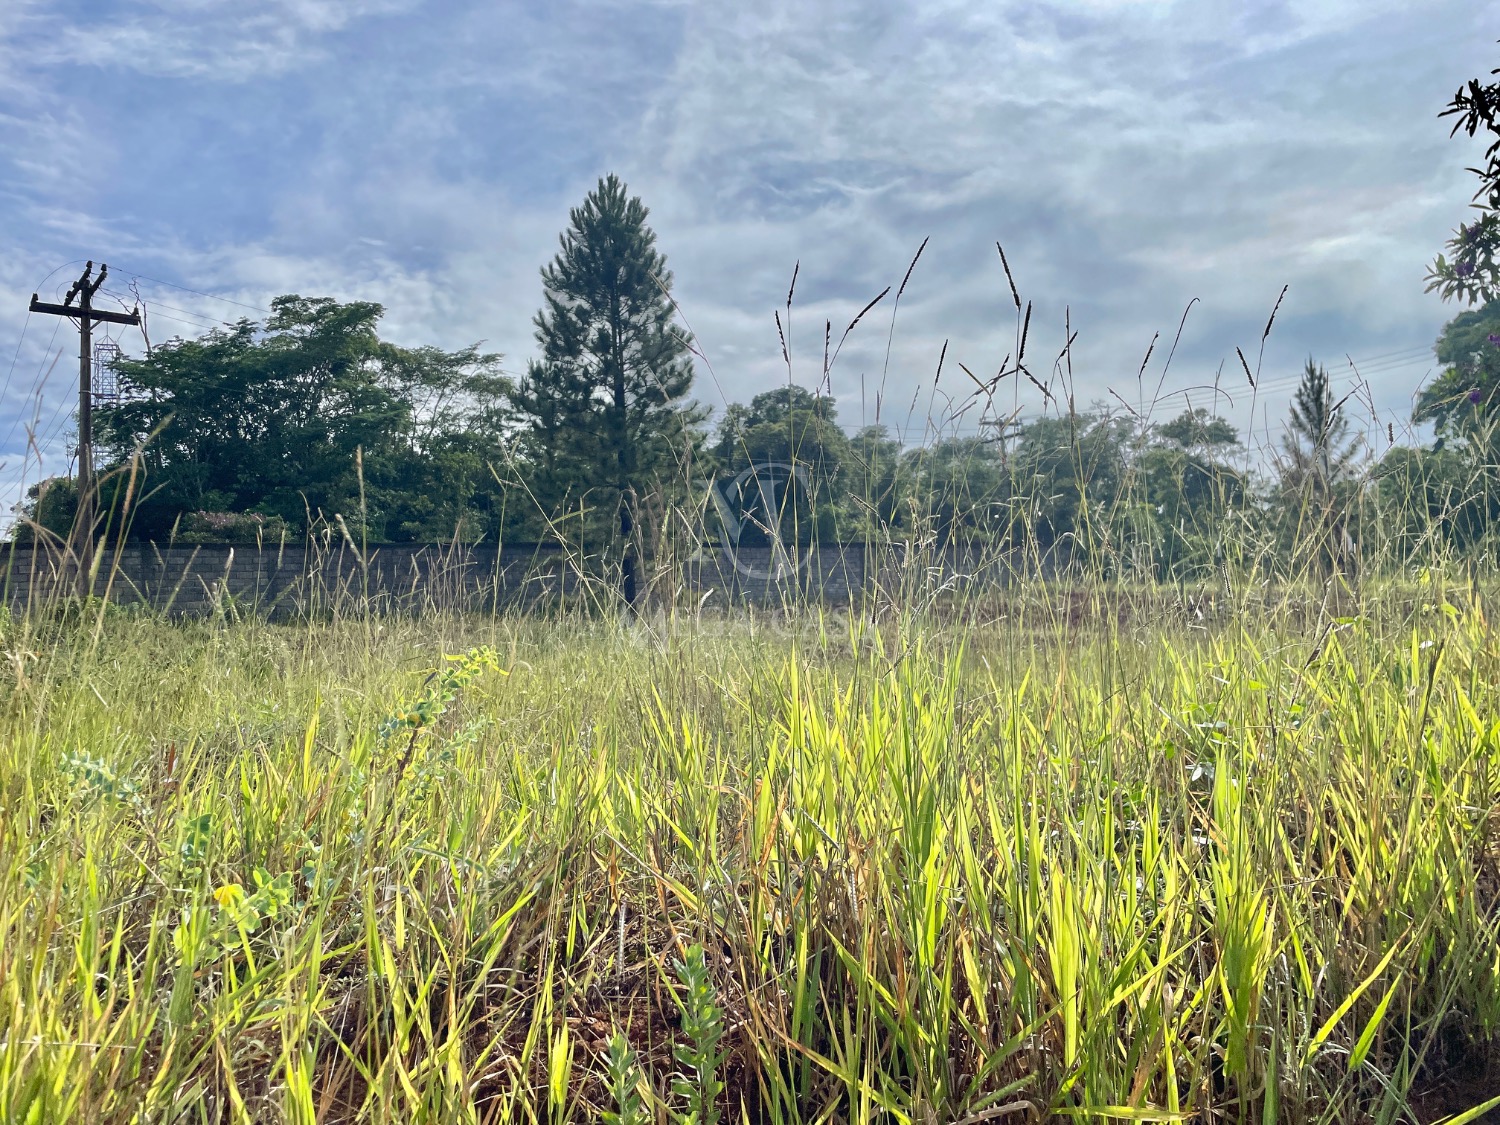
{"x":85,"y":313}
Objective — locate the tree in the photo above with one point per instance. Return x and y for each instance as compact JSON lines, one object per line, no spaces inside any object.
{"x":603,"y":411}
{"x":870,"y":480}
{"x":1069,"y":473}
{"x":790,"y":426}
{"x":48,"y":511}
{"x":1318,"y":466}
{"x":437,"y":480}
{"x":1428,"y":501}
{"x":957,"y":489}
{"x":283,"y":421}
{"x":1189,"y":488}
{"x":1318,"y":446}
{"x":1197,"y":430}
{"x":1460,"y":400}
{"x":1473,"y":275}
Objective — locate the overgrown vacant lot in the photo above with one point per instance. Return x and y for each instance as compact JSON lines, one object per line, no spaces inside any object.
{"x":820,"y":871}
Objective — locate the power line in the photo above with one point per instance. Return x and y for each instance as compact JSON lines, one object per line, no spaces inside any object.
{"x":197,"y":292}
{"x":51,"y":431}
{"x":1359,"y":374}
{"x":1391,"y":355}
{"x":85,"y":288}
{"x":39,"y":383}
{"x":201,"y":321}
{"x":5,"y":391}
{"x":1382,"y":365}
{"x":26,"y":324}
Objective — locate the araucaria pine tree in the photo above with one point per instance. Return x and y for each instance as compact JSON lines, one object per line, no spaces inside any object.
{"x":604,"y":418}
{"x":1317,"y":470}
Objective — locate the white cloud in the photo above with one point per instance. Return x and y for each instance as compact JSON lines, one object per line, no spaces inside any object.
{"x":220,"y":40}
{"x":1130,"y":155}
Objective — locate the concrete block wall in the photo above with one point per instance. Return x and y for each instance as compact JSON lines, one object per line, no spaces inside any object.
{"x":292,"y":580}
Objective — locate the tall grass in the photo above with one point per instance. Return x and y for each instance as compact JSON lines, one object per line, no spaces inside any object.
{"x":976,"y":848}
{"x":810,"y":869}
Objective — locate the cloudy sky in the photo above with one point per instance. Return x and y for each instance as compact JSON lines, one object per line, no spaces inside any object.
{"x":1131,"y":155}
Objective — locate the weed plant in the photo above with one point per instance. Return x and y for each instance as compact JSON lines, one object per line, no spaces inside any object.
{"x":1219,"y":849}
{"x":811,"y":869}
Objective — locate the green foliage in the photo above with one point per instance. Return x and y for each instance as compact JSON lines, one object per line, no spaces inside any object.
{"x":1068,"y":471}
{"x":231,"y":527}
{"x":959,"y":488}
{"x":1473,"y":274}
{"x":1461,"y":401}
{"x":442,"y":687}
{"x":248,"y":912}
{"x":1320,"y":454}
{"x":1189,"y":491}
{"x":97,"y":779}
{"x":1197,"y":430}
{"x":870,"y":482}
{"x":1428,"y":498}
{"x":282,"y":421}
{"x":51,"y":505}
{"x":602,"y":416}
{"x":703,"y":1024}
{"x":1318,"y":489}
{"x":1090,"y":865}
{"x":623,"y":1071}
{"x":790,"y":426}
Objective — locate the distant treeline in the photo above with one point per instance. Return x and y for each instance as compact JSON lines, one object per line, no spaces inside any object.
{"x":310,"y":423}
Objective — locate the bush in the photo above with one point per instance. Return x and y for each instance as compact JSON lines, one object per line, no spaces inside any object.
{"x":230,"y":527}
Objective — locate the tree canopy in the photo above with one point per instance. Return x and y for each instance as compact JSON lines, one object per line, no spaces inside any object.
{"x":603,"y":415}
{"x":305,"y":417}
{"x":310,"y":421}
{"x":1471,"y":270}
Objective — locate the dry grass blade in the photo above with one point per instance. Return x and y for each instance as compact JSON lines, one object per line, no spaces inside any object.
{"x":1014,"y":293}
{"x":914,"y":260}
{"x":1270,"y":321}
{"x":1151,"y":347}
{"x":1249,"y":377}
{"x":857,"y":318}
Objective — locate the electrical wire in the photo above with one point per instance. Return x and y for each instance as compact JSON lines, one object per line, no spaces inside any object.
{"x":195,"y":292}
{"x":52,"y":430}
{"x":201,"y":322}
{"x":1273,"y":386}
{"x":9,"y":375}
{"x":38,"y":384}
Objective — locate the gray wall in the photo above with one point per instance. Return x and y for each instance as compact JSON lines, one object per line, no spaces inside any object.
{"x":301,"y":579}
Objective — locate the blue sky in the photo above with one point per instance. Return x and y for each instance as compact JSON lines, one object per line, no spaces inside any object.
{"x":1132,"y":155}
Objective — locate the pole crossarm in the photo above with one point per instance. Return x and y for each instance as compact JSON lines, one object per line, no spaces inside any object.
{"x":77,"y":313}
{"x":86,"y":316}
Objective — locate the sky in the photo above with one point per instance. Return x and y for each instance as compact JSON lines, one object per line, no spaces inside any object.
{"x":1149,"y":166}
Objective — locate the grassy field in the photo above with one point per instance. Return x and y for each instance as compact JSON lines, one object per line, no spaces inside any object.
{"x":1034,"y":868}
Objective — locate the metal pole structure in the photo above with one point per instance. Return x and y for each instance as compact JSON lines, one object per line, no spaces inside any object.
{"x":84,"y":525}
{"x":85,"y":313}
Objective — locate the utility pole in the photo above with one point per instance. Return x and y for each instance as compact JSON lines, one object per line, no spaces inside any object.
{"x":1005,"y":430}
{"x":85,"y":313}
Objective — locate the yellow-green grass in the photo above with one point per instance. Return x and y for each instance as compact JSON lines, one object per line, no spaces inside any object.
{"x":1153,"y":870}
